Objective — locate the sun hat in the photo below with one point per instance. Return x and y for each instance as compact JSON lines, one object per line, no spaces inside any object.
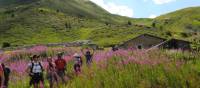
{"x":76,"y":55}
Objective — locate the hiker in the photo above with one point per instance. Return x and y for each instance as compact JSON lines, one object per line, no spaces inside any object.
{"x":77,"y":68}
{"x":88,"y":55}
{"x":61,"y":67}
{"x":1,"y":75}
{"x":36,"y":72}
{"x":6,"y":75}
{"x":78,"y":63}
{"x":51,"y":73}
{"x":78,"y":58}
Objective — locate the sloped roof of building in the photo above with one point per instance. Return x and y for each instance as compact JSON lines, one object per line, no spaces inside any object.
{"x":146,"y":35}
{"x":178,"y":40}
{"x":164,"y":42}
{"x":149,"y":35}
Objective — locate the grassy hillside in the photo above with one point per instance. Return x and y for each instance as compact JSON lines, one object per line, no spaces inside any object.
{"x":183,"y":23}
{"x":49,"y":21}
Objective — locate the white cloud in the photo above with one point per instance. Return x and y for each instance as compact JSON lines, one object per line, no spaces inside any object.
{"x":159,"y":2}
{"x":114,"y":8}
{"x":152,"y":16}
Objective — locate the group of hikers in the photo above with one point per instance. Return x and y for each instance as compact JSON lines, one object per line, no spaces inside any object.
{"x":55,"y":69}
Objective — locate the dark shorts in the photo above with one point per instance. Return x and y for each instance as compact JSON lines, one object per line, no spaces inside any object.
{"x":51,"y":77}
{"x":61,"y":73}
{"x":37,"y":78}
{"x":77,"y":68}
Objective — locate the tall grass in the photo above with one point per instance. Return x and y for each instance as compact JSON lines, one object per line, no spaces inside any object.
{"x":128,"y":69}
{"x":142,"y":73}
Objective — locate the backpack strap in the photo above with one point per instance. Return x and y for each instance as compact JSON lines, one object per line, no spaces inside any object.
{"x":32,"y":65}
{"x":41,"y":66}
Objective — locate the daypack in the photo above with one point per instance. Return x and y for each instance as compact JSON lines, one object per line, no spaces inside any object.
{"x":60,"y":64}
{"x":33,"y":66}
{"x":7,"y":71}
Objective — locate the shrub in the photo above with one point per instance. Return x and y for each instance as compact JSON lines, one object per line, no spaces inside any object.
{"x":168,"y":33}
{"x":68,"y":25}
{"x":6,"y":44}
{"x":129,"y":23}
{"x":41,"y":10}
{"x":154,"y":24}
{"x":161,"y":27}
{"x":12,"y":15}
{"x":107,"y":23}
{"x":185,"y":35}
{"x":57,"y":10}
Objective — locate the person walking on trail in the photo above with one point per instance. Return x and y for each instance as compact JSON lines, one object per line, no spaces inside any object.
{"x":6,"y":75}
{"x":61,"y":67}
{"x":77,"y":68}
{"x":88,"y":55}
{"x":78,"y":63}
{"x":36,"y":71}
{"x":1,"y":75}
{"x":78,"y":58}
{"x":51,"y":73}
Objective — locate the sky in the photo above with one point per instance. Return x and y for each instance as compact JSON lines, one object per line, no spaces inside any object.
{"x":144,"y":8}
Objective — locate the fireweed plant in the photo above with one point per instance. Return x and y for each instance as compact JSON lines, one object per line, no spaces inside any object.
{"x":120,"y":69}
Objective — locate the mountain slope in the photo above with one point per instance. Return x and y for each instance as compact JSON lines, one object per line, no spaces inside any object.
{"x":181,"y":24}
{"x":48,"y":21}
{"x":75,"y":7}
{"x":182,"y":21}
{"x":52,"y":21}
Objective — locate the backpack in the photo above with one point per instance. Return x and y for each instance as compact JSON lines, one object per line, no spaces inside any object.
{"x":60,"y":64}
{"x":7,"y":71}
{"x":33,"y":66}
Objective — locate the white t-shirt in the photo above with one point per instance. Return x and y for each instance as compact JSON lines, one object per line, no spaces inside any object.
{"x":36,"y":68}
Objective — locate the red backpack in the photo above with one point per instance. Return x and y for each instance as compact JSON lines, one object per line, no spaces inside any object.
{"x":60,"y":64}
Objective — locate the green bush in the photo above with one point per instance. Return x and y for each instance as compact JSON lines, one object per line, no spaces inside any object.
{"x":6,"y":44}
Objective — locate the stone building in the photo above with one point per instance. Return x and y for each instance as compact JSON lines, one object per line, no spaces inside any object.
{"x":144,"y":41}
